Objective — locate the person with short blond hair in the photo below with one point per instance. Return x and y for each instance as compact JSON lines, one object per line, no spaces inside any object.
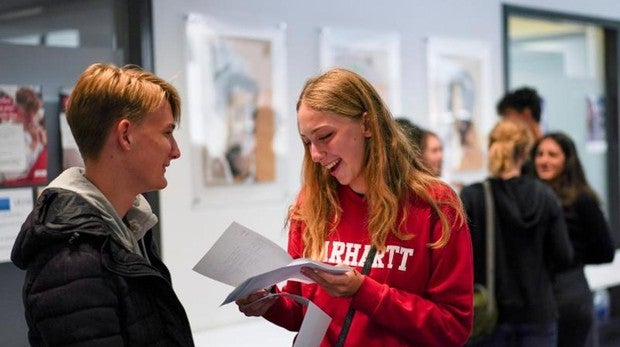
{"x":93,"y":273}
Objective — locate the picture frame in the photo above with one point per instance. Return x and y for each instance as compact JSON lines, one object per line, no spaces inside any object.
{"x":460,"y":106}
{"x":23,"y":136}
{"x":236,"y":105}
{"x":375,"y":55}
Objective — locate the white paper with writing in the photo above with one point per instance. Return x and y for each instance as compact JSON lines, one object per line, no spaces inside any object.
{"x":251,"y":262}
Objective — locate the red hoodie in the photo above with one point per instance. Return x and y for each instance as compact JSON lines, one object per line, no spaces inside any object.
{"x":413,"y":295}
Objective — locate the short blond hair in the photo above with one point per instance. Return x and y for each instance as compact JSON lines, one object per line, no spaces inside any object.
{"x":105,"y":94}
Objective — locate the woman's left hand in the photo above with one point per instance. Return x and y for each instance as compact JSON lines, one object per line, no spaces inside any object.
{"x":346,"y":284}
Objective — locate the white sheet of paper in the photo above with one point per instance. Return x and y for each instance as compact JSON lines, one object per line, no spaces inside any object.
{"x":240,"y":253}
{"x":314,"y":325}
{"x":245,"y":259}
{"x":292,"y":271}
{"x":249,"y":261}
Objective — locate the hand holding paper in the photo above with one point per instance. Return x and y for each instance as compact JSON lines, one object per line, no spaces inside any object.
{"x":256,"y":304}
{"x":251,"y":262}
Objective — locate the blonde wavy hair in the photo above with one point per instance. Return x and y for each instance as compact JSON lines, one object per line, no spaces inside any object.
{"x":392,"y":167}
{"x":510,"y":142}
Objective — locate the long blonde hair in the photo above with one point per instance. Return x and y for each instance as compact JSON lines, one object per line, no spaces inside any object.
{"x":396,"y":172}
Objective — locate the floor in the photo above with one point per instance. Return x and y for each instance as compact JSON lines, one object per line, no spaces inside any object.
{"x":256,"y":332}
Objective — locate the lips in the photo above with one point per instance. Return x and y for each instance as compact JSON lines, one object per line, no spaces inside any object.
{"x":332,"y":166}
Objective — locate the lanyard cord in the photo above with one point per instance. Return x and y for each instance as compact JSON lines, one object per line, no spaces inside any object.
{"x":349,"y":317}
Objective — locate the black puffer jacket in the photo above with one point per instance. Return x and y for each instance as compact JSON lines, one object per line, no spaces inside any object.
{"x":83,"y":288}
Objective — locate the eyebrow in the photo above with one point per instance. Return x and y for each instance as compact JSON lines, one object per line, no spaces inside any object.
{"x":314,"y":130}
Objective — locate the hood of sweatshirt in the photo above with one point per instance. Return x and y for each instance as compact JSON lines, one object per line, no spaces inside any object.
{"x":521,"y":201}
{"x":70,"y":204}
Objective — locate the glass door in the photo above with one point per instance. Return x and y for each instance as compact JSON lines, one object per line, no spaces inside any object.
{"x":567,"y":61}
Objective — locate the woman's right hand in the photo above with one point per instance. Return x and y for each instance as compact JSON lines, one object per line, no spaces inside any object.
{"x":252,"y":306}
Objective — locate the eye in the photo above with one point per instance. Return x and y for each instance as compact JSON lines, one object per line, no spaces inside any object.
{"x":325,"y":137}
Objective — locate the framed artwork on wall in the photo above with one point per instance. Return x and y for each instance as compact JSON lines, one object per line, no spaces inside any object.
{"x":595,"y":124}
{"x":70,"y":152}
{"x":236,"y":101}
{"x":374,"y":55}
{"x":460,"y":108}
{"x":23,"y":136}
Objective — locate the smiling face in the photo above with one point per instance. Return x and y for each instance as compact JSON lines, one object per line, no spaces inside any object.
{"x":155,"y":147}
{"x":335,"y":142}
{"x":550,"y":160}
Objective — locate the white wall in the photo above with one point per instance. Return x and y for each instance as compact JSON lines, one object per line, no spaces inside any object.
{"x":188,"y":233}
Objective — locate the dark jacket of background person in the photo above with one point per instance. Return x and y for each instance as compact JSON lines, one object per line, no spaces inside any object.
{"x":592,"y":242}
{"x":111,"y":296}
{"x":589,"y":232}
{"x":531,"y":243}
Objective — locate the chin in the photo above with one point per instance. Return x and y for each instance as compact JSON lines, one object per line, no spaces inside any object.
{"x":159,"y":185}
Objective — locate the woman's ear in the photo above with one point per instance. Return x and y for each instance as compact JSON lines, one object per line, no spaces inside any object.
{"x":366,"y":125}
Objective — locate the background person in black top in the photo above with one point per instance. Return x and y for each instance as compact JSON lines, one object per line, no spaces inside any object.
{"x":557,"y":163}
{"x":531,"y":241}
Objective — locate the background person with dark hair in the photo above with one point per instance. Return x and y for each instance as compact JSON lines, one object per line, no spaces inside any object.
{"x":428,"y":143}
{"x":523,"y":104}
{"x":557,"y":163}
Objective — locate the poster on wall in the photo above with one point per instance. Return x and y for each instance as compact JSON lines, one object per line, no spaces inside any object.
{"x":70,"y":152}
{"x":460,"y":108}
{"x":23,"y":137}
{"x":373,"y":55}
{"x":596,"y":140}
{"x":15,"y":205}
{"x":236,"y":101}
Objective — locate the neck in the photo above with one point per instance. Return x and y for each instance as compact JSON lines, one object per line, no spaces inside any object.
{"x":535,"y":127}
{"x":109,"y":183}
{"x":514,"y":172}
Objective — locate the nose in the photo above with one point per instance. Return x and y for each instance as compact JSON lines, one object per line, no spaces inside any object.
{"x":315,"y":153}
{"x":175,"y":153}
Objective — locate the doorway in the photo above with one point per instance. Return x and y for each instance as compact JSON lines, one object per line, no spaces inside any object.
{"x":572,"y":63}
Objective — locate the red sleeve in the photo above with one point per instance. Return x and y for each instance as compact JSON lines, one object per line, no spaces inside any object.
{"x":443,"y":316}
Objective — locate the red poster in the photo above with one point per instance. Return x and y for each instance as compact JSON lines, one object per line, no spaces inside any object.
{"x":23,"y":138}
